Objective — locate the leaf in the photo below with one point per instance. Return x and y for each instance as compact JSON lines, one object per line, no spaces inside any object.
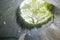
{"x":34,"y":1}
{"x":26,"y":6}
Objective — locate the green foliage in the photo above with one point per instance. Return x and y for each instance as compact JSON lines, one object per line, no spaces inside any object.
{"x":26,"y":6}
{"x":34,"y":1}
{"x":36,"y":8}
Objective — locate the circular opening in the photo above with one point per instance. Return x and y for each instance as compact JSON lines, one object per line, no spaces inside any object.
{"x":34,"y":13}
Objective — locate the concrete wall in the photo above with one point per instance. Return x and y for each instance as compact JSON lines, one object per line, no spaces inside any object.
{"x":8,"y":25}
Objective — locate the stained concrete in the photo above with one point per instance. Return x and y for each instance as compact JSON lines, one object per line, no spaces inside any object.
{"x":8,"y":25}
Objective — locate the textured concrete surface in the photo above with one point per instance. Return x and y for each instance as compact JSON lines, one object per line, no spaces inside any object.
{"x":36,"y":33}
{"x":10,"y":30}
{"x":8,"y":25}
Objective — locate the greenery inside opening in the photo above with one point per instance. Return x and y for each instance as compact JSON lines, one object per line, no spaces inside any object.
{"x":35,"y":13}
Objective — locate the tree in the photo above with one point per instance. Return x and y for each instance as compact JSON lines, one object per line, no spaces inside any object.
{"x":36,"y":12}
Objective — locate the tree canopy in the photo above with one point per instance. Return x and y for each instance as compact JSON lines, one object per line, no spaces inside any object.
{"x":36,"y":11}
